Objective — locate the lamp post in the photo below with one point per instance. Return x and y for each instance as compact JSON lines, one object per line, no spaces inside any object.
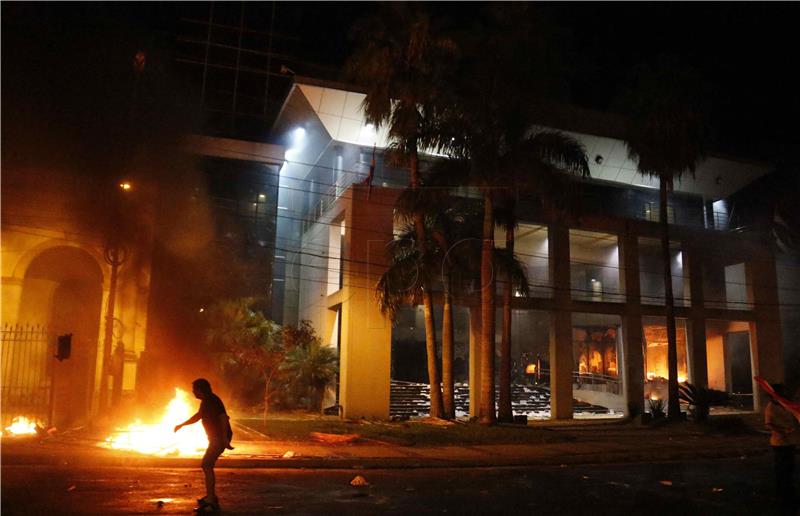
{"x":115,"y":255}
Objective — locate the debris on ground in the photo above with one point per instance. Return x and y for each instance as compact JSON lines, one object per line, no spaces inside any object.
{"x":288,"y":455}
{"x":665,"y":482}
{"x":434,"y":421}
{"x":334,"y":438}
{"x":71,"y":488}
{"x":717,"y":489}
{"x":359,"y":481}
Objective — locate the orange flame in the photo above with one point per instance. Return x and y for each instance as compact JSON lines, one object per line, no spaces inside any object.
{"x":21,"y":425}
{"x":160,"y":438}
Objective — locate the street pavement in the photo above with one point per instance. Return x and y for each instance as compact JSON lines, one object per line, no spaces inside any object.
{"x":594,"y":468}
{"x":708,"y":487}
{"x":583,"y":444}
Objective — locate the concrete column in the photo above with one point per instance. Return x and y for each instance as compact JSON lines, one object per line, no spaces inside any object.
{"x":474,"y":360}
{"x":366,"y":336}
{"x":561,"y":365}
{"x":634,"y":364}
{"x":766,"y":342}
{"x":698,"y":359}
{"x":633,"y":353}
{"x":562,"y":360}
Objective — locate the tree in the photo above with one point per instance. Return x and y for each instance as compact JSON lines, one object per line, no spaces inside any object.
{"x":249,"y":338}
{"x":503,"y":73}
{"x":532,"y":165}
{"x":311,"y":364}
{"x":665,"y":135}
{"x":401,"y":60}
{"x":452,"y":263}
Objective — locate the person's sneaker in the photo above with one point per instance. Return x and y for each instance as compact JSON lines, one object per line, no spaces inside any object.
{"x":206,"y":507}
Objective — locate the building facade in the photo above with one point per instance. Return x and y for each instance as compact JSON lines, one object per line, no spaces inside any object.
{"x":71,"y":267}
{"x":595,"y":317}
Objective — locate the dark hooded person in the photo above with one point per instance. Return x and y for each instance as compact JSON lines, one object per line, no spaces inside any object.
{"x":216,"y":423}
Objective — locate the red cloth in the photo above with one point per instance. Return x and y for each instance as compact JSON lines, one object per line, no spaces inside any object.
{"x":792,"y":407}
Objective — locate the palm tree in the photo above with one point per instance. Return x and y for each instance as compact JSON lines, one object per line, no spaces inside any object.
{"x":408,"y":280}
{"x":503,"y":71}
{"x":401,"y":60}
{"x":665,"y":135}
{"x":453,"y":260}
{"x":311,"y":364}
{"x":531,"y":165}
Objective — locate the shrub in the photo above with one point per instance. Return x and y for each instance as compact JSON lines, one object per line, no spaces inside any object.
{"x":701,"y":399}
{"x":657,"y":408}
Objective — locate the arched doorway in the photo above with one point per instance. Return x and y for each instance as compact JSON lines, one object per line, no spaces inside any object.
{"x":62,"y":291}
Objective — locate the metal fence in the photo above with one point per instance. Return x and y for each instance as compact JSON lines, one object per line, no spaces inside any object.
{"x":27,"y":371}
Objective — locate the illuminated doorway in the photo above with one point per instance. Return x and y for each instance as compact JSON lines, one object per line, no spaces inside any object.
{"x":729,"y":360}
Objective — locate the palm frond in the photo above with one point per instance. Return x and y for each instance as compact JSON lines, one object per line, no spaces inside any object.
{"x":427,"y":201}
{"x":561,"y":151}
{"x":401,"y":282}
{"x":508,"y":265}
{"x":666,"y":129}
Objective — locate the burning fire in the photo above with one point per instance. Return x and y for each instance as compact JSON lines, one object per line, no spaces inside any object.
{"x":160,"y":438}
{"x":21,"y":425}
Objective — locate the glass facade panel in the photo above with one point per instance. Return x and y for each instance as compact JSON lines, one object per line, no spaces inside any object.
{"x":651,"y":273}
{"x":654,"y":340}
{"x":594,"y":267}
{"x":597,"y":351}
{"x":725,"y":285}
{"x":408,"y":344}
{"x":531,"y":248}
{"x":596,"y":341}
{"x":530,"y":345}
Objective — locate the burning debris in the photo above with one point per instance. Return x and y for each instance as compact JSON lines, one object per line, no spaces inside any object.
{"x":159,"y":438}
{"x":359,"y":481}
{"x":21,"y":425}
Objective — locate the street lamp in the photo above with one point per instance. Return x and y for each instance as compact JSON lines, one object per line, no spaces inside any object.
{"x":115,"y":255}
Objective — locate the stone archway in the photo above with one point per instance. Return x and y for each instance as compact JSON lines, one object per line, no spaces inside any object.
{"x":62,"y":289}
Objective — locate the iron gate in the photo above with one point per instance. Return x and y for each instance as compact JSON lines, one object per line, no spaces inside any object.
{"x":27,"y":372}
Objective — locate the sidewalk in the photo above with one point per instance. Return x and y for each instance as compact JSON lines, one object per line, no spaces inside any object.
{"x":585,"y":444}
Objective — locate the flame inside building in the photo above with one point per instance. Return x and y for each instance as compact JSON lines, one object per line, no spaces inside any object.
{"x":160,"y":438}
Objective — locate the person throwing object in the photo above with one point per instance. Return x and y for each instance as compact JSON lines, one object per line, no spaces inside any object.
{"x":218,"y":429}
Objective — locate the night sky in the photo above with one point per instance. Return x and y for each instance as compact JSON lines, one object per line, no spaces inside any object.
{"x":66,"y":68}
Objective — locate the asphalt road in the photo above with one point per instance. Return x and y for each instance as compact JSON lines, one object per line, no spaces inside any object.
{"x":711,"y":487}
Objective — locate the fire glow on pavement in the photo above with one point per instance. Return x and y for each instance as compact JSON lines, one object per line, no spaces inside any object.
{"x":159,"y":438}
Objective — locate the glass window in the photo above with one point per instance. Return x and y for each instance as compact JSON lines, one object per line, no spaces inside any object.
{"x":651,"y":273}
{"x":594,"y":266}
{"x":531,"y":248}
{"x":654,"y":340}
